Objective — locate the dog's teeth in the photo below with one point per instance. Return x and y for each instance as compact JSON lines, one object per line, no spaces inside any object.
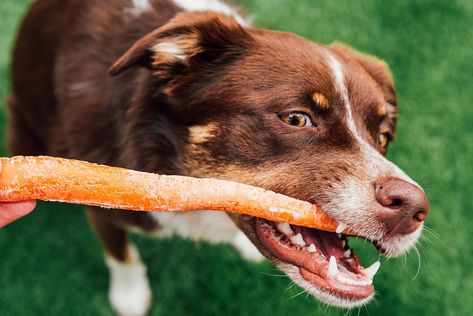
{"x":297,"y":240}
{"x":344,"y":243}
{"x":340,"y":228}
{"x":350,"y":281}
{"x":332,"y":267}
{"x":347,"y":253}
{"x":311,"y":248}
{"x":285,"y":228}
{"x":372,"y":269}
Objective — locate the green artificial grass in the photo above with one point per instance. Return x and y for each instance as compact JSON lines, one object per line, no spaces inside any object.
{"x":51,"y":264}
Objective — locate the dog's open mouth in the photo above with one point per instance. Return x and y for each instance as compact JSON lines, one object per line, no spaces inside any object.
{"x":324,"y":259}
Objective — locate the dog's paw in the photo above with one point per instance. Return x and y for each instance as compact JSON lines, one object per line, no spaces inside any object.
{"x":129,"y":293}
{"x":246,"y":248}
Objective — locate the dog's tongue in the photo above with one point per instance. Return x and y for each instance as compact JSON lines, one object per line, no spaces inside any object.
{"x":327,"y":242}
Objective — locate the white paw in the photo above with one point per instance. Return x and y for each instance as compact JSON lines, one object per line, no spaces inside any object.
{"x":129,"y":293}
{"x":246,"y":248}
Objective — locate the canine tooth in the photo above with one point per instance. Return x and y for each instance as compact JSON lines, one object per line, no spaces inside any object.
{"x":347,"y":253}
{"x":339,"y":235}
{"x":285,"y":228}
{"x":332,"y":267}
{"x":297,"y":240}
{"x":372,"y":269}
{"x":340,"y":228}
{"x":344,"y":243}
{"x":311,"y":248}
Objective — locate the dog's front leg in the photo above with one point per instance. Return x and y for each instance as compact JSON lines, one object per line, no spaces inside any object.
{"x":246,"y":248}
{"x":129,"y":292}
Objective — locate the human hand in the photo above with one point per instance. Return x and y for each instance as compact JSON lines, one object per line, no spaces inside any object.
{"x":10,"y":212}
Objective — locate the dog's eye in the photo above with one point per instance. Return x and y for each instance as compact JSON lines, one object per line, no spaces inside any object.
{"x":297,"y":119}
{"x":383,"y":140}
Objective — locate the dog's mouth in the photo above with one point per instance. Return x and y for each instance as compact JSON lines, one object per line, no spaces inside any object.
{"x":323,"y":259}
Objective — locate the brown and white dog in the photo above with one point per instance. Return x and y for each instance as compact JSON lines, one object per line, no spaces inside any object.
{"x":194,"y":90}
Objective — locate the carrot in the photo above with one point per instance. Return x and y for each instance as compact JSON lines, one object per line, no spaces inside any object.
{"x":79,"y":182}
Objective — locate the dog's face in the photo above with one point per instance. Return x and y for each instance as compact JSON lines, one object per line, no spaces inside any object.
{"x":307,"y":120}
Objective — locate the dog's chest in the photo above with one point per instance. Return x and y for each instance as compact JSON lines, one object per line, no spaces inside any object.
{"x":210,"y":226}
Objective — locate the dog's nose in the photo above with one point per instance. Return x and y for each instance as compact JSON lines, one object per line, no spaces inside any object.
{"x":405,"y":206}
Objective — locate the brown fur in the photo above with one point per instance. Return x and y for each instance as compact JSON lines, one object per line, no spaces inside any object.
{"x":67,"y":106}
{"x":213,"y":112}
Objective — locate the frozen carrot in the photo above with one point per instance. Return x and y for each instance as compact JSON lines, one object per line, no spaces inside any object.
{"x":79,"y":182}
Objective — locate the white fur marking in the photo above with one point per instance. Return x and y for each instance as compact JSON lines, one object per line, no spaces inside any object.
{"x":246,"y":248}
{"x":211,"y":226}
{"x":342,"y":89}
{"x":377,"y":164}
{"x":354,"y":193}
{"x":169,"y":49}
{"x":211,"y":5}
{"x":199,"y":134}
{"x":129,"y":292}
{"x":399,"y":245}
{"x":139,"y":6}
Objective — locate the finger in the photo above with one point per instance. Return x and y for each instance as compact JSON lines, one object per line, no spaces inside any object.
{"x":10,"y":212}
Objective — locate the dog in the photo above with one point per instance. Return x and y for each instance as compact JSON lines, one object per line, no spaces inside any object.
{"x":188,"y":87}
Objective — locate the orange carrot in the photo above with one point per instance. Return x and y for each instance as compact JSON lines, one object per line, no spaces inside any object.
{"x":79,"y":182}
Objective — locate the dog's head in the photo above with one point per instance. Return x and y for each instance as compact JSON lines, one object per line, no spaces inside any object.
{"x":276,"y":111}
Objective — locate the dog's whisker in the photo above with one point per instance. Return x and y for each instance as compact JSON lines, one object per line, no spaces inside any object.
{"x":403,"y":258}
{"x":307,"y":295}
{"x":426,"y":239}
{"x":327,"y":309}
{"x":296,"y":295}
{"x":275,"y":275}
{"x":431,"y":231}
{"x":347,"y":312}
{"x":290,"y":286}
{"x":419,"y":263}
{"x":366,"y":308}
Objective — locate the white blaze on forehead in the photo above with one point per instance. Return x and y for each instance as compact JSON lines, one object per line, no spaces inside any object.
{"x":351,"y":198}
{"x":339,"y":77}
{"x":376,"y":164}
{"x":211,"y":5}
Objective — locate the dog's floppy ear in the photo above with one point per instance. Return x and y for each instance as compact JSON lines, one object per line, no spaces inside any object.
{"x":375,"y":67}
{"x":189,"y":39}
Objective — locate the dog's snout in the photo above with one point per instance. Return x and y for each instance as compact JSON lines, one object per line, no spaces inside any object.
{"x":404,"y":205}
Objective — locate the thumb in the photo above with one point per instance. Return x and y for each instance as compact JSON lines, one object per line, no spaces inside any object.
{"x":10,"y":212}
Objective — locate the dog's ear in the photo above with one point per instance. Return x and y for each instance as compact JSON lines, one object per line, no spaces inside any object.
{"x":188,"y":40}
{"x":375,"y":67}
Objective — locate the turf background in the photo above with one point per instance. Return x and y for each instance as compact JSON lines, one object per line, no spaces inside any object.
{"x":50,"y":262}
